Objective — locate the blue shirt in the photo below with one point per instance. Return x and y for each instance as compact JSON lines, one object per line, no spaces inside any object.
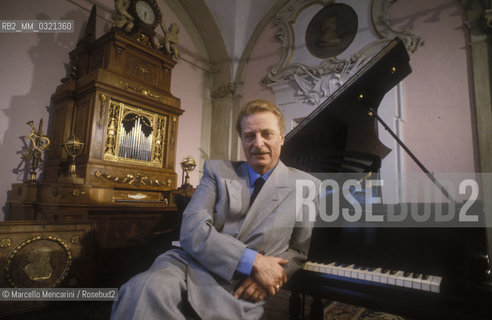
{"x":246,"y":262}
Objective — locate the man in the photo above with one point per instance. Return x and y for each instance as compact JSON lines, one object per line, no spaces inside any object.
{"x":240,"y":240}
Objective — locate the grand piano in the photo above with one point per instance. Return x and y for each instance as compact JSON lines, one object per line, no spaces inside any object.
{"x":419,"y":273}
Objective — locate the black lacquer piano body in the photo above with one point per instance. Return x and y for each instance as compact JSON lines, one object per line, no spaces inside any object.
{"x":350,"y":264}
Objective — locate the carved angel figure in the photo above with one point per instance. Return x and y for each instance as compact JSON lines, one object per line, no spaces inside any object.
{"x":316,"y":88}
{"x":170,"y":41}
{"x":121,"y":17}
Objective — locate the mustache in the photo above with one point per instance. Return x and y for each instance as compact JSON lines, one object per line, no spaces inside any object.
{"x":259,"y":150}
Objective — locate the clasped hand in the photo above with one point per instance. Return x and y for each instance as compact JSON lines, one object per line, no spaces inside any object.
{"x":267,"y":276}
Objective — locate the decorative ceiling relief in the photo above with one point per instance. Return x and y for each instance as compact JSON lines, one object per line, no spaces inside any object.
{"x":328,"y":35}
{"x":382,"y":25}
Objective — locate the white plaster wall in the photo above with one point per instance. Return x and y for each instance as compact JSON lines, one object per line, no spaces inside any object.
{"x":437,"y":122}
{"x":32,"y":65}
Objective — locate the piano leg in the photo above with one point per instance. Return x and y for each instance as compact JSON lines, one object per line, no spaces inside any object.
{"x":317,"y":309}
{"x":295,"y":306}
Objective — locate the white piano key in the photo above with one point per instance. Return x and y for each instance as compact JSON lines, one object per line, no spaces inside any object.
{"x":330,"y":268}
{"x":392,"y":278}
{"x":341,"y":271}
{"x":435,"y":284}
{"x":399,"y":278}
{"x":362,"y":274}
{"x":353,"y":272}
{"x":431,"y":284}
{"x":368,"y":275}
{"x":407,"y":281}
{"x":348,"y":271}
{"x":417,"y":283}
{"x":426,"y":284}
{"x":335,"y":269}
{"x":383,"y":278}
{"x":376,"y":275}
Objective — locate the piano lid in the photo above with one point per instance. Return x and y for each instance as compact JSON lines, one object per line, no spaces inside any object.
{"x":342,"y":123}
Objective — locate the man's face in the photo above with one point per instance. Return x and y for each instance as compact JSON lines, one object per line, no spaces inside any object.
{"x":262,"y":140}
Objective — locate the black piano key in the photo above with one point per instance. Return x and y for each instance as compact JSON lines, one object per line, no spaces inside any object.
{"x":371,"y":269}
{"x":407,"y":273}
{"x":425,"y":276}
{"x":415,"y":275}
{"x":385,"y":270}
{"x":392,"y":271}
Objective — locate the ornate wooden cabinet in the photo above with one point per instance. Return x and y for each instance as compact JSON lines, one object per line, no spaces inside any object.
{"x":117,"y":102}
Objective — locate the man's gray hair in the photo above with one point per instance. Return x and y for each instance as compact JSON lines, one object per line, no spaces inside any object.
{"x":259,"y":105}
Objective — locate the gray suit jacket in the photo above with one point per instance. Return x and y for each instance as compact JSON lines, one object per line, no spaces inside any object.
{"x":218,"y":225}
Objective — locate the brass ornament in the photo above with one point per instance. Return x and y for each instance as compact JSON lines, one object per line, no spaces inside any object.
{"x":145,"y":39}
{"x":5,"y":243}
{"x":134,"y":179}
{"x":143,"y":91}
{"x":75,"y":239}
{"x":74,"y":147}
{"x":39,"y":143}
{"x":188,"y":164}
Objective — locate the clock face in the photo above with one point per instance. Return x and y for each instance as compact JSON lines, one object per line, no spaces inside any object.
{"x":145,"y":12}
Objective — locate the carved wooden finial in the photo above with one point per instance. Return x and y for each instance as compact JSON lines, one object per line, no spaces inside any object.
{"x":90,"y":29}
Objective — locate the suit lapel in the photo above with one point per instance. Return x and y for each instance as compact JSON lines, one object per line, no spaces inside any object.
{"x":238,"y":189}
{"x":271,"y":195}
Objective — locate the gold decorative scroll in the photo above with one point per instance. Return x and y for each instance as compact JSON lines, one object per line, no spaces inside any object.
{"x":143,"y":91}
{"x":134,"y":179}
{"x":135,"y":135}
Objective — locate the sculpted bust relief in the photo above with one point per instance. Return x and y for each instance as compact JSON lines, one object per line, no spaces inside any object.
{"x":329,"y":36}
{"x":331,"y":30}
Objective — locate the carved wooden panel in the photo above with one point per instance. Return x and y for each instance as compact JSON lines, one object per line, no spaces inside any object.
{"x":39,"y":254}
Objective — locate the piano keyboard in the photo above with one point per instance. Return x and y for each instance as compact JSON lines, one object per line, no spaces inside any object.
{"x":378,"y":275}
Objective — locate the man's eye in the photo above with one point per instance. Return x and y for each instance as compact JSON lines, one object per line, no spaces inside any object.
{"x":267,"y":135}
{"x":249,"y":137}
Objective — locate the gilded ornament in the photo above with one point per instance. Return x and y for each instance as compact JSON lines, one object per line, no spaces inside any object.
{"x":5,"y":243}
{"x":75,"y":239}
{"x":145,"y":39}
{"x":133,"y":179}
{"x":39,"y":143}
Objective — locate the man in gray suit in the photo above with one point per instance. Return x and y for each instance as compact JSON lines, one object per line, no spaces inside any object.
{"x":240,"y":241}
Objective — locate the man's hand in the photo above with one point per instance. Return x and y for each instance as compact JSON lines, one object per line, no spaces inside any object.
{"x":268,"y":271}
{"x":250,"y":290}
